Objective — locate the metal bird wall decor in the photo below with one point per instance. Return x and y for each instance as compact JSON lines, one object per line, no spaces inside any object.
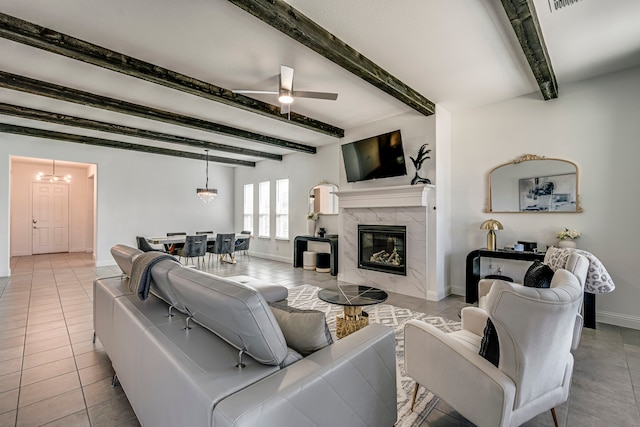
{"x":417,"y":163}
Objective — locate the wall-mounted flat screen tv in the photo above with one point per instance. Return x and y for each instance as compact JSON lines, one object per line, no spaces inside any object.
{"x":380,"y":156}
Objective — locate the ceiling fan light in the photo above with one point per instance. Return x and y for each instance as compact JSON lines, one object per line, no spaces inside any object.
{"x":285,"y":99}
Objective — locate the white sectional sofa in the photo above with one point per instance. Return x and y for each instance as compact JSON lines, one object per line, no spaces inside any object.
{"x":179,"y":376}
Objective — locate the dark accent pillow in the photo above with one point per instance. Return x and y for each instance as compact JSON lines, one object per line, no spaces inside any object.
{"x":489,"y":346}
{"x":539,"y":275}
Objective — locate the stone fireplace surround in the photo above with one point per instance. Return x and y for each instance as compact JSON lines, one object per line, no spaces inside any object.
{"x":406,"y":205}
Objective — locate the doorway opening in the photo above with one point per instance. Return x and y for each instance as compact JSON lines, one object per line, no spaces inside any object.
{"x":51,"y":216}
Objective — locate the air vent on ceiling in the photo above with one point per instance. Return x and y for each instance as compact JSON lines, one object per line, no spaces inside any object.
{"x":559,"y":4}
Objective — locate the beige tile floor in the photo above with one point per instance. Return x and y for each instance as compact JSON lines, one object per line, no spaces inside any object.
{"x":51,"y":373}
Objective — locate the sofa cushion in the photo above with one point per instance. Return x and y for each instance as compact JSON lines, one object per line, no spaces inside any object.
{"x":539,"y":275}
{"x":306,"y":331}
{"x":161,"y":285}
{"x":270,"y":291}
{"x":124,"y":256}
{"x":236,"y":313}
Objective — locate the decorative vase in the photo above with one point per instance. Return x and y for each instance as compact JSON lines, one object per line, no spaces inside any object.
{"x":566,"y":243}
{"x":311,"y":227}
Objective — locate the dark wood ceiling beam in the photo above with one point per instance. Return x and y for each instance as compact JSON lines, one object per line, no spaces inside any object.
{"x":62,"y":119}
{"x":283,"y":17}
{"x":524,"y":20}
{"x":50,"y":90}
{"x":47,"y":39}
{"x":100,"y":142}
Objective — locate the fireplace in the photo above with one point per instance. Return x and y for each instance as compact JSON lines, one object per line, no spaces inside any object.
{"x":382,"y":248}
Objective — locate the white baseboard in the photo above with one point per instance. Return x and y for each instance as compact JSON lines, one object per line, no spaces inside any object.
{"x":459,"y":290}
{"x":105,"y":263}
{"x":434,"y":296}
{"x":271,"y":257}
{"x":617,"y":319}
{"x":21,"y":254}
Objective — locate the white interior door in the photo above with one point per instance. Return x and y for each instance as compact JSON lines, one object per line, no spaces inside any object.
{"x":50,"y":220}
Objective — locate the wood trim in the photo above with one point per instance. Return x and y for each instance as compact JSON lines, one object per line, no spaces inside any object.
{"x":100,"y":142}
{"x":524,"y":20}
{"x":284,"y":18}
{"x":62,"y":119}
{"x":21,"y":31}
{"x":50,"y":90}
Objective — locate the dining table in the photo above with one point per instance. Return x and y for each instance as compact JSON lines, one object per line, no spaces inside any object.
{"x":171,"y":241}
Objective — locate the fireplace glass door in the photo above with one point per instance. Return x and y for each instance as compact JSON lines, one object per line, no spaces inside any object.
{"x":382,"y":248}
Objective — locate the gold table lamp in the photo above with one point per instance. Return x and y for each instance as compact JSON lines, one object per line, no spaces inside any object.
{"x":491,"y":225}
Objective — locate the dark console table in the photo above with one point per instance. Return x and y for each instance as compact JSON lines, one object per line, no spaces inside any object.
{"x":300,"y":245}
{"x":473,"y":277}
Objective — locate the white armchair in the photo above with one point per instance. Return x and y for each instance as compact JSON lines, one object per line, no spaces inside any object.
{"x":535,"y":328}
{"x":576,"y":264}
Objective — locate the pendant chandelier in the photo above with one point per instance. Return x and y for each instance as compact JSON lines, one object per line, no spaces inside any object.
{"x":207,"y":194}
{"x":52,"y":177}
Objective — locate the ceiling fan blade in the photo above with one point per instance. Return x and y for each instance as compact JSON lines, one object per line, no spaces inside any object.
{"x":316,"y":95}
{"x":286,"y":78}
{"x":285,"y":108}
{"x":257,"y":92}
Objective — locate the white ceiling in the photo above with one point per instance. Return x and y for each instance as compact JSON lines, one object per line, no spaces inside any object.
{"x":459,"y":54}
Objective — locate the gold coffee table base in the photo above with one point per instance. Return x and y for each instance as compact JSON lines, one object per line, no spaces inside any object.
{"x":354,"y":319}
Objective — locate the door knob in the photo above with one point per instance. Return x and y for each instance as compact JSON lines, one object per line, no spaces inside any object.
{"x":35,"y":220}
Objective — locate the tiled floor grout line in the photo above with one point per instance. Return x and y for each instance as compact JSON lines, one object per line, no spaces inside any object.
{"x":24,"y":348}
{"x":73,"y":351}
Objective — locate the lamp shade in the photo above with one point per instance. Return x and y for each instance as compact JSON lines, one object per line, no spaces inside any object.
{"x":491,"y":224}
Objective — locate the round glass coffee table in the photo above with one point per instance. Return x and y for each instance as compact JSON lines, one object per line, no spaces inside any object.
{"x":352,"y":298}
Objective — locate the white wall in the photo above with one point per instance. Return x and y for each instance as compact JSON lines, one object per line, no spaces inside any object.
{"x":415,"y":129}
{"x":304,"y":171}
{"x":593,"y":123}
{"x":137,"y":193}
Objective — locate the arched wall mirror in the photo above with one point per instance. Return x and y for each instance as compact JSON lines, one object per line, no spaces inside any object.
{"x":533,"y":183}
{"x":322,"y":198}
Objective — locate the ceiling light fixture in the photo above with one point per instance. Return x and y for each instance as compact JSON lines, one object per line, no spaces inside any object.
{"x":52,"y":177}
{"x":207,"y":194}
{"x":285,"y":97}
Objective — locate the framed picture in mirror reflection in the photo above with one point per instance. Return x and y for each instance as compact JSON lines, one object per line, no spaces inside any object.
{"x":553,"y":193}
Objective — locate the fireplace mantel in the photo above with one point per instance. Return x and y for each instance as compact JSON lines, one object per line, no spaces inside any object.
{"x":385,"y":197}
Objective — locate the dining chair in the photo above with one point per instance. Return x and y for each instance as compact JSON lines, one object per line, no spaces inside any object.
{"x":194,"y":247}
{"x":173,"y":247}
{"x":209,"y":245}
{"x":242,"y":245}
{"x":145,"y":246}
{"x":224,"y":244}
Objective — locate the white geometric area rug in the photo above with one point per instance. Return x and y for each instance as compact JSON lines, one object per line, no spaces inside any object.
{"x":306,"y":297}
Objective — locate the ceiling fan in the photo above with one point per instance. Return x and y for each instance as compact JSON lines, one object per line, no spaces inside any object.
{"x":285,"y":92}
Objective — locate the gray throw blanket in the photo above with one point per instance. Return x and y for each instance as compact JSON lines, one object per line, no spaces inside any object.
{"x":140,"y":280}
